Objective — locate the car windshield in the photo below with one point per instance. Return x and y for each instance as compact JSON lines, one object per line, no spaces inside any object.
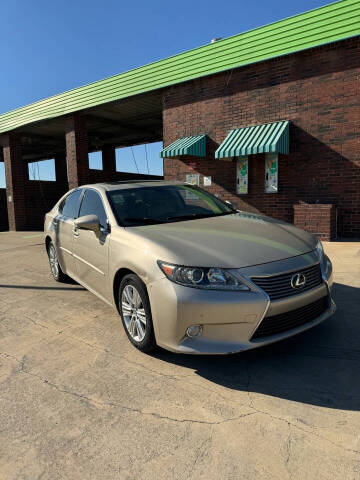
{"x":164,"y":204}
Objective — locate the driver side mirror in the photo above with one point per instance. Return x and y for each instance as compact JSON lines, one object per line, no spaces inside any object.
{"x":232,"y":205}
{"x":88,"y":222}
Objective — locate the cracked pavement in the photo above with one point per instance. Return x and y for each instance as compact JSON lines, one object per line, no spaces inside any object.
{"x":77,"y":401}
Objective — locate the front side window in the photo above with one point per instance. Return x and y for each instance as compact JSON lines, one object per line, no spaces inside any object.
{"x":69,"y":206}
{"x":93,"y":205}
{"x":164,"y":204}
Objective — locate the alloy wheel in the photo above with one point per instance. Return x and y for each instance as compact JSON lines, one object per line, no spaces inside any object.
{"x":54,"y":264}
{"x":133,"y":313}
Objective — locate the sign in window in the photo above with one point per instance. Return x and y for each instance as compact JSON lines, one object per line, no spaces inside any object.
{"x":271,"y":173}
{"x":242,"y":175}
{"x":192,"y":179}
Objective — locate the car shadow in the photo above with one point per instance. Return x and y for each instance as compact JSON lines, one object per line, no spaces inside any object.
{"x":319,"y":367}
{"x":35,"y":287}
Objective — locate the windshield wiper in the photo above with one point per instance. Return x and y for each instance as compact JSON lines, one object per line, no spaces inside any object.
{"x":198,"y":215}
{"x":145,"y":220}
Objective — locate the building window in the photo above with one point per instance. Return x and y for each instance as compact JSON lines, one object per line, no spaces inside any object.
{"x":193,"y":179}
{"x":95,"y":161}
{"x":2,"y":175}
{"x":140,"y":159}
{"x":271,"y":173}
{"x":43,"y":170}
{"x":242,"y":175}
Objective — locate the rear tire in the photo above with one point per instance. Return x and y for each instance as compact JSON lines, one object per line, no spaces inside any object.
{"x":135,"y":312}
{"x":56,"y":272}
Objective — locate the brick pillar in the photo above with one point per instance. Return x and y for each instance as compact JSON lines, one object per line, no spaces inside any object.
{"x":109,"y":161}
{"x":16,"y":174}
{"x":3,"y":207}
{"x":61,"y":170}
{"x":319,"y":219}
{"x":77,"y":150}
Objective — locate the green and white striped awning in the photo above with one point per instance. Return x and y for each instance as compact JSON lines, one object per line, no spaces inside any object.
{"x":195,"y":146}
{"x":270,"y":137}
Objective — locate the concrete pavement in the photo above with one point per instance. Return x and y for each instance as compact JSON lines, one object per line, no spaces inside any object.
{"x":77,"y":401}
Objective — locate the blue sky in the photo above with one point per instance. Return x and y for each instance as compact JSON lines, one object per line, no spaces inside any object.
{"x":47,"y":47}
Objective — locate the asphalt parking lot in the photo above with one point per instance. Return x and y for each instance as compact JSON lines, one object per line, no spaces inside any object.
{"x":77,"y":401}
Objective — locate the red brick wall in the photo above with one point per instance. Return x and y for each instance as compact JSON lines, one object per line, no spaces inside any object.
{"x":3,"y":210}
{"x":40,"y":196}
{"x":15,"y":178}
{"x":318,"y":91}
{"x":103,"y":176}
{"x":317,"y":219}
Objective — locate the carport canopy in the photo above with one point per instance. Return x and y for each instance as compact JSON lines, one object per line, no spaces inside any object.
{"x":129,"y":121}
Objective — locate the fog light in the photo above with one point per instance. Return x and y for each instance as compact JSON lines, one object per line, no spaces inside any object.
{"x":194,"y":331}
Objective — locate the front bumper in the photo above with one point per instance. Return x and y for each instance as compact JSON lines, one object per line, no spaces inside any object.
{"x":229,"y":319}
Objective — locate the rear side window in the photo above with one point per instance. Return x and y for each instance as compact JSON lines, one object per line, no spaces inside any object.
{"x":69,"y":206}
{"x":93,"y":205}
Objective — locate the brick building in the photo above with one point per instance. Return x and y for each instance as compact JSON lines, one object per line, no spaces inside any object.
{"x":317,"y":91}
{"x":268,"y":120}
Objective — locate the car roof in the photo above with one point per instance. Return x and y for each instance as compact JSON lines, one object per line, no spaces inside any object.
{"x":108,"y":186}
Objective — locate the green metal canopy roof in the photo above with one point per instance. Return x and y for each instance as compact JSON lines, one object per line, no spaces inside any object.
{"x":195,"y":145}
{"x":323,"y":25}
{"x":270,"y":137}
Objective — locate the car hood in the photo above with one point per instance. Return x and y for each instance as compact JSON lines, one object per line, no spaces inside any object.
{"x":231,"y":241}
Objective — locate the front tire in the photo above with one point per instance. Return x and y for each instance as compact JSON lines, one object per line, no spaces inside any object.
{"x":135,"y":312}
{"x":56,"y":272}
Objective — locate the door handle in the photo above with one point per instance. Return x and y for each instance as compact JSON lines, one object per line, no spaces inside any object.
{"x":75,"y":232}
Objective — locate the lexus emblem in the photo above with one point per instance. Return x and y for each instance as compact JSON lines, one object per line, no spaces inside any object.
{"x":298,"y":280}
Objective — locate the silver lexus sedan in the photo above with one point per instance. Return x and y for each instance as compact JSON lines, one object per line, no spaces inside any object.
{"x":187,"y":271}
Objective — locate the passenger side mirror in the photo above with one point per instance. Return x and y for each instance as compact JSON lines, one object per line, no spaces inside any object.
{"x":88,"y":222}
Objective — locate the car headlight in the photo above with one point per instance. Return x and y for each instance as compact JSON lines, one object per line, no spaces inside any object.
{"x":211,"y":278}
{"x":325,"y":262}
{"x":327,"y":266}
{"x":320,"y":250}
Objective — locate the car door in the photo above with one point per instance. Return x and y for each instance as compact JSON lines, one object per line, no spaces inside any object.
{"x":91,"y":250}
{"x":64,"y":226}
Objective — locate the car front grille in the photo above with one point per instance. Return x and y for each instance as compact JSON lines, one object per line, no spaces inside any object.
{"x":279,"y":286}
{"x":276,"y":324}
